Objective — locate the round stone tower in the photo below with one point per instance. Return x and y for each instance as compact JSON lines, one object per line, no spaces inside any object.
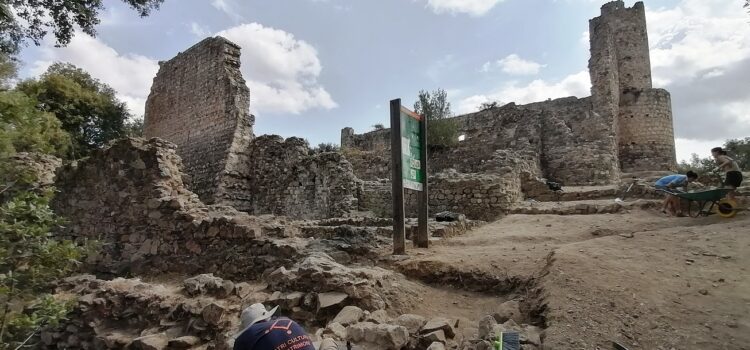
{"x":643,"y":116}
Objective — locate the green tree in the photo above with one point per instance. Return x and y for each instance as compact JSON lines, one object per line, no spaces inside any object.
{"x":739,"y":150}
{"x":30,"y":260}
{"x":24,"y":128}
{"x":442,"y":129}
{"x":8,"y":70}
{"x":133,"y":128}
{"x":88,"y":109}
{"x":488,"y":105}
{"x":31,"y":20}
{"x":326,"y":147}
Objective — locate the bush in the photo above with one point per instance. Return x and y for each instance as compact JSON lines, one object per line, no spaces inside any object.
{"x":326,"y":147}
{"x":31,"y":259}
{"x":442,"y":129}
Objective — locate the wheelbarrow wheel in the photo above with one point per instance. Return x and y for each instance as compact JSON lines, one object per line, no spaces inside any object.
{"x":726,"y":208}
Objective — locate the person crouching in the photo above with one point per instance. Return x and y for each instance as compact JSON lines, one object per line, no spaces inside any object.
{"x":670,"y":184}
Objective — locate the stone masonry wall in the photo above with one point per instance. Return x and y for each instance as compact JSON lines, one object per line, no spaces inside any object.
{"x":132,"y":200}
{"x":578,"y":145}
{"x":282,"y":177}
{"x":199,"y":101}
{"x":478,"y":196}
{"x":646,"y":131}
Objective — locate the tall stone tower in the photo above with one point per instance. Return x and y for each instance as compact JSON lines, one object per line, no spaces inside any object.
{"x":620,"y":69}
{"x":199,"y":101}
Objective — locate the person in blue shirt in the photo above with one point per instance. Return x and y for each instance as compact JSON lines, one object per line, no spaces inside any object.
{"x":261,"y":331}
{"x":670,"y":184}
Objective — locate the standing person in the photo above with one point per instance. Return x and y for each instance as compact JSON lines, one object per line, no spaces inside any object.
{"x":669,"y":184}
{"x":261,"y":331}
{"x":731,"y":168}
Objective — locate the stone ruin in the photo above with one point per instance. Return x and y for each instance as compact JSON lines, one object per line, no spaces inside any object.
{"x":625,"y":126}
{"x":199,"y":102}
{"x":204,"y":196}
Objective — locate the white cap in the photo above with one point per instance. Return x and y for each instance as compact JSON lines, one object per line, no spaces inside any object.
{"x":254,"y":314}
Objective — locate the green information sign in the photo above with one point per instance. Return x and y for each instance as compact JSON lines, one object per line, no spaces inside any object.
{"x":412,"y":171}
{"x":409,"y":170}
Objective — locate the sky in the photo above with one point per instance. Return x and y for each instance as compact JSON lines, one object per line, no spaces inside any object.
{"x":316,"y":66}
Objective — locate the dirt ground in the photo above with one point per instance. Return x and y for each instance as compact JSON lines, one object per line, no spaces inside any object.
{"x":638,"y":278}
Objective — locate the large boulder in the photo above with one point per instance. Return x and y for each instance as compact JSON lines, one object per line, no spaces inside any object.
{"x":413,"y":323}
{"x":208,"y":284}
{"x":377,"y":336}
{"x":349,"y":315}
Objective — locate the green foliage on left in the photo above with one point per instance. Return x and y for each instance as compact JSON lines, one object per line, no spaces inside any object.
{"x":30,"y":260}
{"x":88,"y":109}
{"x":24,"y":128}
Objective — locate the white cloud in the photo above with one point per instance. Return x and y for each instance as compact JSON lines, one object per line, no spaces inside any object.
{"x":227,"y":6}
{"x":687,"y":147}
{"x":694,"y":37}
{"x":700,"y":52}
{"x":199,"y":30}
{"x":129,"y":74}
{"x":281,"y":71}
{"x":538,"y":90}
{"x":471,"y":7}
{"x":514,"y":65}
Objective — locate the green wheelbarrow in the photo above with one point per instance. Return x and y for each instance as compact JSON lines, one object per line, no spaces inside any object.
{"x":716,"y":198}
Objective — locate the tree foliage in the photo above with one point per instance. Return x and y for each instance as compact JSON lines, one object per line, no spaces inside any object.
{"x":378,"y":126}
{"x":133,"y":128}
{"x":488,"y":105}
{"x":24,"y":128}
{"x":31,"y":258}
{"x":8,"y":71}
{"x":87,"y":108}
{"x":31,"y":20}
{"x":738,"y":149}
{"x":326,"y":147}
{"x":442,"y":129}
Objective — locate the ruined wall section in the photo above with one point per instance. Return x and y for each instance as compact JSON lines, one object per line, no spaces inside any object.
{"x":578,"y":145}
{"x":132,"y":200}
{"x":282,"y":177}
{"x":646,"y":131}
{"x":478,"y":196}
{"x":199,"y":101}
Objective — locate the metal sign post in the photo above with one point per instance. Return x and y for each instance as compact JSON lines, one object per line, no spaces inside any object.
{"x":409,"y":170}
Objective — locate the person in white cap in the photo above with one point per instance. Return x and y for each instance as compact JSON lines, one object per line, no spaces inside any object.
{"x":259,"y":330}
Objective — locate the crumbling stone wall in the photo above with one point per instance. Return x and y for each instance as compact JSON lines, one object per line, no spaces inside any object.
{"x":131,"y":198}
{"x":199,"y":101}
{"x":282,"y":177}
